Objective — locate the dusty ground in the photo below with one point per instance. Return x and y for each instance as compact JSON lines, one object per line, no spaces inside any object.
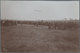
{"x":29,"y":38}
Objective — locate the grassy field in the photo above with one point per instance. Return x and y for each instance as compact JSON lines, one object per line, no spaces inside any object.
{"x":29,"y":38}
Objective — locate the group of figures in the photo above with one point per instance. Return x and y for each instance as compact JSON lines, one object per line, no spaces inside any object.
{"x":8,"y":23}
{"x":51,"y":25}
{"x":63,"y":25}
{"x":59,"y":25}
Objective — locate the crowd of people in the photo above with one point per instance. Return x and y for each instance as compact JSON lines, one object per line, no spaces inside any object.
{"x":51,"y":25}
{"x":8,"y":23}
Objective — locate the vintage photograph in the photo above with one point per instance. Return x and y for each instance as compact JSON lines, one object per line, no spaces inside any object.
{"x":39,"y":26}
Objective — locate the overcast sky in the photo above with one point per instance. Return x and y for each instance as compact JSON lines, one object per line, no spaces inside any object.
{"x":39,"y":10}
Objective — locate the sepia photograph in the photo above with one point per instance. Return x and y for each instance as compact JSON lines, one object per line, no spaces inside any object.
{"x":39,"y":26}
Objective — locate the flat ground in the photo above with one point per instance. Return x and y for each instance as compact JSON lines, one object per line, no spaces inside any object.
{"x":29,"y":38}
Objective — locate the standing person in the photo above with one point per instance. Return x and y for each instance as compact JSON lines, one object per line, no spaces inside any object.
{"x":49,"y":25}
{"x":55,"y":25}
{"x":21,"y":22}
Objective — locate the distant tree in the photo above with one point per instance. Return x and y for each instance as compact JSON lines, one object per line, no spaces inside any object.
{"x":71,"y":19}
{"x":65,"y":18}
{"x":41,"y":20}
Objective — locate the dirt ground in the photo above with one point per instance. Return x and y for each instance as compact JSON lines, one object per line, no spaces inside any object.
{"x":29,"y":38}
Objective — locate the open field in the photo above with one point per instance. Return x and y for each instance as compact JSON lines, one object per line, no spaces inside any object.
{"x":29,"y":38}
